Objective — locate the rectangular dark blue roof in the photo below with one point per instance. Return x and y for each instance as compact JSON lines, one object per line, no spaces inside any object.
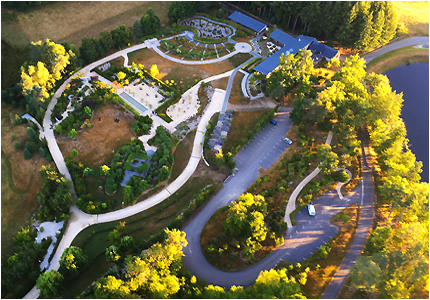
{"x":325,"y":50}
{"x":247,"y":21}
{"x":282,"y":37}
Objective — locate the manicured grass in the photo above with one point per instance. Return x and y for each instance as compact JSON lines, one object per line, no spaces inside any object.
{"x":239,"y":59}
{"x":395,"y":58}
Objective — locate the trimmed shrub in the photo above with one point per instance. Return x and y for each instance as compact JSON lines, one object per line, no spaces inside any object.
{"x":17,"y":145}
{"x":42,"y":152}
{"x":27,"y":154}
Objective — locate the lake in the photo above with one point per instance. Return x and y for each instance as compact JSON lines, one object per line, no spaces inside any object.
{"x":413,"y":81}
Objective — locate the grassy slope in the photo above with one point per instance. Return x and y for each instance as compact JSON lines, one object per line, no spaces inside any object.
{"x":19,"y":181}
{"x":415,"y":16}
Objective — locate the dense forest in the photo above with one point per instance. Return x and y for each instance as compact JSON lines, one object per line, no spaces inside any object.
{"x":361,"y":25}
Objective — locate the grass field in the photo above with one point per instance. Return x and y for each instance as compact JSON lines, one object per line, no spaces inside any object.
{"x":66,"y":21}
{"x":182,"y":155}
{"x":243,"y":121}
{"x":19,"y":181}
{"x":415,"y":16}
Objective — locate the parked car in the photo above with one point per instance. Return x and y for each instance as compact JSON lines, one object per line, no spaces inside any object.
{"x":273,"y":122}
{"x":311,"y":210}
{"x":287,"y":140}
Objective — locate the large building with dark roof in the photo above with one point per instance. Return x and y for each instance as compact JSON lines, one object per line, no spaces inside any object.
{"x":288,"y":44}
{"x":248,"y":22}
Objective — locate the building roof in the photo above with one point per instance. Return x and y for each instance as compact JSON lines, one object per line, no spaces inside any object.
{"x":269,"y":64}
{"x":247,"y":21}
{"x":282,"y":37}
{"x":306,"y":39}
{"x":325,"y":50}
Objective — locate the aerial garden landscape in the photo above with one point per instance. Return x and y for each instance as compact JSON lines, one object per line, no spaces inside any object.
{"x":214,"y":150}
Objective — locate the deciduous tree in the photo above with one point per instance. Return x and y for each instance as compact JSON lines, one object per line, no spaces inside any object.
{"x":50,"y":284}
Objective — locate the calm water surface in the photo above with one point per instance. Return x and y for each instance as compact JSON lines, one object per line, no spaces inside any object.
{"x":413,"y":81}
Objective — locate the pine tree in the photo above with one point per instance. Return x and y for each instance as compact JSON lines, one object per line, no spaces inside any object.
{"x":364,"y":41}
{"x":378,"y":26}
{"x":390,"y":25}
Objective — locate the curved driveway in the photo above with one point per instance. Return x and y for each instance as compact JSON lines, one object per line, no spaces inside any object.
{"x":396,"y":45}
{"x":308,"y":234}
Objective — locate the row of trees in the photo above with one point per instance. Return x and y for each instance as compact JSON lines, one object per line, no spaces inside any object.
{"x":179,"y":10}
{"x":91,"y":48}
{"x":158,"y":272}
{"x":360,"y":24}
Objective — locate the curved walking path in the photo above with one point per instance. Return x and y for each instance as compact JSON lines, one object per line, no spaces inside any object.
{"x":239,"y":48}
{"x":80,"y":220}
{"x":291,"y":206}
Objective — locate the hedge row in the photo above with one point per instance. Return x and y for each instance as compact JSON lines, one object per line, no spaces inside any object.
{"x":206,"y":40}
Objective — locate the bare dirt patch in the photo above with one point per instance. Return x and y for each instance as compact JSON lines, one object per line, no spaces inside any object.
{"x":95,"y":144}
{"x":220,"y":83}
{"x":251,"y":105}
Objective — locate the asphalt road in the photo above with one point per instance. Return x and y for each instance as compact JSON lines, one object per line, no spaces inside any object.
{"x":396,"y":45}
{"x":300,"y":242}
{"x":262,"y":151}
{"x":366,"y":202}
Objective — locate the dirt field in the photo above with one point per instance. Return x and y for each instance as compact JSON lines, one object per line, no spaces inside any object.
{"x":95,"y":144}
{"x":220,"y":83}
{"x":19,"y":182}
{"x":72,"y":20}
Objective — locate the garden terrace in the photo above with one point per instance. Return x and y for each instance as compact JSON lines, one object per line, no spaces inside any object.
{"x":208,"y":28}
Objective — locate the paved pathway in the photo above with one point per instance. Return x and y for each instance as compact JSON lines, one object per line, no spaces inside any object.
{"x":31,"y":118}
{"x":396,"y":45}
{"x":80,"y":220}
{"x":239,"y":48}
{"x":366,"y":203}
{"x":291,"y":206}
